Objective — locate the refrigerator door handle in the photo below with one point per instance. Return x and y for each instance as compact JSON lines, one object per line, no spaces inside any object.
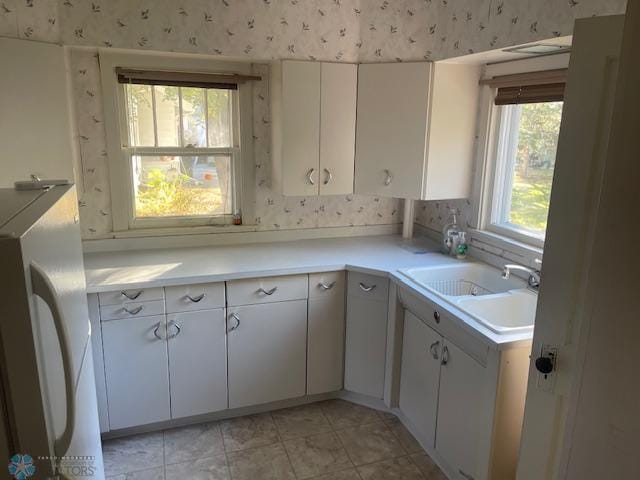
{"x":43,"y":287}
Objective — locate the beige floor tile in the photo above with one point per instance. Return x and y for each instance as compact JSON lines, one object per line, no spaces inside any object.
{"x":212,"y":468}
{"x":401,"y":468}
{"x":317,"y":454}
{"x":131,"y":454}
{"x":251,"y":431}
{"x":387,"y":417}
{"x":350,"y":474}
{"x":300,"y":421}
{"x":151,"y":474}
{"x":264,"y":463}
{"x":428,"y":467}
{"x":370,"y":443}
{"x":192,"y":442}
{"x":343,"y":414}
{"x":403,"y":435}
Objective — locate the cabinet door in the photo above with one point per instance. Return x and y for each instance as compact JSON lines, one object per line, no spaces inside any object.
{"x":338,"y":88}
{"x":365,"y":346}
{"x":267,"y":351}
{"x":391,"y":130}
{"x":325,"y":345}
{"x":420,"y":376}
{"x":197,"y":362}
{"x":137,"y":371}
{"x":98,"y":361}
{"x":300,"y":127}
{"x":462,"y":387}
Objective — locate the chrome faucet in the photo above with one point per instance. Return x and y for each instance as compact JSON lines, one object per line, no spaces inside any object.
{"x":534,"y":275}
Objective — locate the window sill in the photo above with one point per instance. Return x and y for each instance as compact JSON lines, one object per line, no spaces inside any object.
{"x":505,"y":247}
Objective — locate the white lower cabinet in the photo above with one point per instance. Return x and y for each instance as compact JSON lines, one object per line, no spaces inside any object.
{"x":366,"y":335}
{"x":460,"y":410}
{"x":420,"y":377}
{"x":136,"y":370}
{"x":197,"y":362}
{"x":267,"y":351}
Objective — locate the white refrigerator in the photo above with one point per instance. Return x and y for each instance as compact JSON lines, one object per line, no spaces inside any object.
{"x":48,"y":411}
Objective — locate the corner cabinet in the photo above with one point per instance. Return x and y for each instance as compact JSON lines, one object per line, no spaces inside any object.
{"x":416,"y":129}
{"x":313,"y":121}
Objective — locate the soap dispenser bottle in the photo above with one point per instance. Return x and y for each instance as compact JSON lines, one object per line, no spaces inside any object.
{"x":451,"y":234}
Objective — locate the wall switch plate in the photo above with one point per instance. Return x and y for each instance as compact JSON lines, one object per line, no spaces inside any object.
{"x":547,"y":381}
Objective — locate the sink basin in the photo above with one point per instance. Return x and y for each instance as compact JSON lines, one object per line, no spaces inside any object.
{"x":502,"y":305}
{"x":509,"y":312}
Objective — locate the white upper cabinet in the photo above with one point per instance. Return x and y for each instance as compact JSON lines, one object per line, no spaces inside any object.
{"x":313,"y":111}
{"x":416,"y":129}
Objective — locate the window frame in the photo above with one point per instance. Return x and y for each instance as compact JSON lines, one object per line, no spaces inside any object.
{"x":119,"y":151}
{"x":488,"y":194}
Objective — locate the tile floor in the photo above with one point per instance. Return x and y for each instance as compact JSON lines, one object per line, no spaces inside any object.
{"x":330,"y":440}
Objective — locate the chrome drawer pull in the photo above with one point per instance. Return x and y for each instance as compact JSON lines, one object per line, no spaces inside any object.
{"x":310,"y":176}
{"x":329,"y":176}
{"x":366,"y":288}
{"x":196,"y":299}
{"x":268,"y":292}
{"x":445,"y":356}
{"x":135,"y":311}
{"x":324,"y":286}
{"x":389,"y":178}
{"x":178,"y":329}
{"x":131,"y":297}
{"x":237,"y":319}
{"x":434,"y":350}
{"x":156,"y":333}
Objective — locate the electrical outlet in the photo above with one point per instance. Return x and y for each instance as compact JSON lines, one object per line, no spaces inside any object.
{"x":547,"y":380}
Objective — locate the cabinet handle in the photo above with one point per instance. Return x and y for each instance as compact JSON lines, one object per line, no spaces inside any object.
{"x":445,"y":356}
{"x":135,"y":311}
{"x":366,"y":288}
{"x":196,"y":299}
{"x":389,"y":179}
{"x":131,"y":297}
{"x":466,"y":475}
{"x":156,"y":332}
{"x":434,"y":350}
{"x":178,"y":329}
{"x":310,"y":176}
{"x":267,"y":292}
{"x":237,"y":319}
{"x":436,"y":316}
{"x":324,"y":286}
{"x":329,"y":176}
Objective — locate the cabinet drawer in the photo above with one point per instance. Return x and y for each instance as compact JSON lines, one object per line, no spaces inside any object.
{"x":326,"y":284}
{"x":131,"y":295}
{"x":371,"y":287}
{"x":267,"y":290}
{"x":201,"y":296}
{"x":131,"y":310}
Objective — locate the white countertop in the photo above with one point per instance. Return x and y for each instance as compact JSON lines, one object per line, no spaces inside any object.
{"x":381,"y":255}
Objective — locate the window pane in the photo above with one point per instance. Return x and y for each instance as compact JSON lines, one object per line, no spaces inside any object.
{"x":529,"y":171}
{"x":140,"y":115}
{"x":193,"y":117}
{"x":180,"y":186}
{"x":219,"y":117}
{"x":168,"y":116}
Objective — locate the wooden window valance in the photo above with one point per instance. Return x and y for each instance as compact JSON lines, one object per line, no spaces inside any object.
{"x":229,"y":81}
{"x":534,"y":87}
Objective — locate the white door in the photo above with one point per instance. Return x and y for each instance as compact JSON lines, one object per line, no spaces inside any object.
{"x":300,"y":127}
{"x":460,"y":409}
{"x":267,"y":350}
{"x":564,"y":298}
{"x":44,"y":116}
{"x":338,"y":93}
{"x":325,"y":344}
{"x":420,"y":376}
{"x":137,"y":371}
{"x":365,"y":346}
{"x":391,"y":130}
{"x":197,"y":362}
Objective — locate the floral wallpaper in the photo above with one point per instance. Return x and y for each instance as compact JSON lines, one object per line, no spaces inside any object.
{"x":337,"y":30}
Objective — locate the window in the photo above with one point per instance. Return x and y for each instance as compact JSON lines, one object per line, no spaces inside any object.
{"x":179,"y":140}
{"x":527,"y":112}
